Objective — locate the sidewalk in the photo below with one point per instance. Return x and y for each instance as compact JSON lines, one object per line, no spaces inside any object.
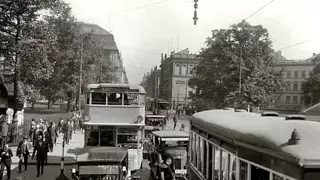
{"x":71,"y":150}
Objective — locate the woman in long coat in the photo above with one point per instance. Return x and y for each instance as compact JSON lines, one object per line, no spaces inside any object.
{"x":51,"y":136}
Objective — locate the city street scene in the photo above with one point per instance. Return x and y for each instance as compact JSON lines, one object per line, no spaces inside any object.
{"x":159,"y":90}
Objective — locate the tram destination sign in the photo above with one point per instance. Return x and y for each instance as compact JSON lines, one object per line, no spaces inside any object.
{"x":115,"y":89}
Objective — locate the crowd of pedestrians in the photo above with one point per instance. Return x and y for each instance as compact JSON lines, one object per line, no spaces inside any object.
{"x":42,"y":138}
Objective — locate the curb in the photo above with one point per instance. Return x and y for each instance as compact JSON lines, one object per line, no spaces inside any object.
{"x":49,"y":164}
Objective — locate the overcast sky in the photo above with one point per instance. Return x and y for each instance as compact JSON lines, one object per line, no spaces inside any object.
{"x":143,"y":34}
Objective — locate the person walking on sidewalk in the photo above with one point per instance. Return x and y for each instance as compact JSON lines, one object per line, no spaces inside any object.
{"x":23,"y":153}
{"x":6,"y":161}
{"x":182,"y":127}
{"x":174,"y":122}
{"x":41,"y":150}
{"x":32,"y":129}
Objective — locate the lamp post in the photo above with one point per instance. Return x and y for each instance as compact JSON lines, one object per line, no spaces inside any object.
{"x":62,"y":176}
{"x":80,"y":77}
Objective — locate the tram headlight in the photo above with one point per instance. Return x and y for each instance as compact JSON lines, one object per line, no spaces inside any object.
{"x":168,"y":161}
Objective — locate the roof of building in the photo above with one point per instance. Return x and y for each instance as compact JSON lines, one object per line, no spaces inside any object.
{"x":104,"y":38}
{"x":270,"y":133}
{"x":171,"y":134}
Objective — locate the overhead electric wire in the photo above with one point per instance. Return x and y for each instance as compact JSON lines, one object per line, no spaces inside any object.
{"x":259,"y":9}
{"x":140,"y":7}
{"x":294,"y":45}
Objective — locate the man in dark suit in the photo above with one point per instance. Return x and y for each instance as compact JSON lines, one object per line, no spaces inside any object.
{"x":41,"y":150}
{"x":23,"y":153}
{"x":6,"y":155}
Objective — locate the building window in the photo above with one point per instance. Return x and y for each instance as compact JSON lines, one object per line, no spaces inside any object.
{"x":295,"y":100}
{"x":288,"y":99}
{"x":288,"y":74}
{"x":184,"y":70}
{"x":288,"y":85}
{"x":278,"y":99}
{"x":301,"y":100}
{"x":296,"y":74}
{"x":295,"y":86}
{"x":303,"y":74}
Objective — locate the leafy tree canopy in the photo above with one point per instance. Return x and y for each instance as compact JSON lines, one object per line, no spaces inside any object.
{"x":311,"y":87}
{"x":217,"y":75}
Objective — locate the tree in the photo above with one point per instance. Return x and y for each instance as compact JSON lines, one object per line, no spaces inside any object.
{"x":32,"y":93}
{"x":218,"y":73}
{"x":311,"y":87}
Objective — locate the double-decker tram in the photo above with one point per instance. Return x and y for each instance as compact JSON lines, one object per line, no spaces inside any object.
{"x":114,"y":117}
{"x":238,"y":145}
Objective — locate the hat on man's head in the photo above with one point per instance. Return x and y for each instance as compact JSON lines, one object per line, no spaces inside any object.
{"x":25,"y":137}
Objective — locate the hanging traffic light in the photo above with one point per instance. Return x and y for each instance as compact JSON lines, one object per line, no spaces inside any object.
{"x":195,"y":17}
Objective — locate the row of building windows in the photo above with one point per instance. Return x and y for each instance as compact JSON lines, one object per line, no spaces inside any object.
{"x":214,"y":163}
{"x":294,"y":85}
{"x":297,"y":75}
{"x":290,"y":100}
{"x":183,"y":69}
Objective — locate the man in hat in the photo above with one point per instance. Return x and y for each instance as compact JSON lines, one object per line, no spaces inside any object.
{"x":41,"y":150}
{"x":6,"y":155}
{"x":23,"y":153}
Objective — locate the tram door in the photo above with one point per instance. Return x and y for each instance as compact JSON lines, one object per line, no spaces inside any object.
{"x":259,"y":174}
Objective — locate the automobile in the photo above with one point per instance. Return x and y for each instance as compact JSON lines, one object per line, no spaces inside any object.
{"x":169,"y":155}
{"x":102,"y":163}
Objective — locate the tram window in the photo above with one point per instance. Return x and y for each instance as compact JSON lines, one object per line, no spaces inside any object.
{"x":276,"y":177}
{"x":191,"y":149}
{"x":243,"y":170}
{"x":98,"y":98}
{"x":88,"y":98}
{"x":201,"y":155}
{"x":128,"y":137}
{"x":205,"y":158}
{"x":259,"y":174}
{"x":225,"y":165}
{"x":92,"y":137}
{"x":312,"y":175}
{"x":114,"y":99}
{"x":131,"y":99}
{"x":106,"y":136}
{"x":198,"y":152}
{"x":210,"y":161}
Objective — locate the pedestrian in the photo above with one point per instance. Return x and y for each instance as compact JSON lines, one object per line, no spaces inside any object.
{"x":51,"y":136}
{"x":38,"y":132}
{"x":6,"y":155}
{"x":32,"y":129}
{"x":23,"y":152}
{"x":174,"y":122}
{"x":182,"y":127}
{"x":41,"y":150}
{"x":70,"y":129}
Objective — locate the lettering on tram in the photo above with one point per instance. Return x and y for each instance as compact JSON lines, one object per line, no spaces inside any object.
{"x":237,"y":145}
{"x":168,"y":157}
{"x":114,"y":118}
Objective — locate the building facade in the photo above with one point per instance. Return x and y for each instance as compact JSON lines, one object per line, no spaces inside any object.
{"x":110,"y":54}
{"x":153,"y":83}
{"x":295,"y":73}
{"x":176,"y":70}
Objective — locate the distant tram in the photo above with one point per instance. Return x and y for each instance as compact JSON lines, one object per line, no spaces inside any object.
{"x":114,"y":116}
{"x":238,"y":145}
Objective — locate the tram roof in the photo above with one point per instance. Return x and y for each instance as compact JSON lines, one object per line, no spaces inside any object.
{"x":102,"y":154}
{"x":109,"y":85}
{"x":271,"y":133}
{"x":171,"y":134}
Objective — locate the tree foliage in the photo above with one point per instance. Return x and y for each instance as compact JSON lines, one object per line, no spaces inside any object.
{"x":311,"y":87}
{"x":218,"y":73}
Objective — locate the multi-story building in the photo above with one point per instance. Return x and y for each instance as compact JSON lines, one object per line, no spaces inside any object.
{"x":176,"y":70}
{"x":153,"y":83}
{"x":295,"y":73}
{"x":110,"y":53}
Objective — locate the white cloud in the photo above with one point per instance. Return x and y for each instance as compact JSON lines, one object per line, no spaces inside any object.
{"x":142,"y":35}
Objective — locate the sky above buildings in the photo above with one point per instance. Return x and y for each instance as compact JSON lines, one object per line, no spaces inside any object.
{"x":146,"y":32}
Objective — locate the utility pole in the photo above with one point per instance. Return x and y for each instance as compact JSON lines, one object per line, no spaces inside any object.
{"x":80,"y":77}
{"x":240,"y":77}
{"x":187,"y":73}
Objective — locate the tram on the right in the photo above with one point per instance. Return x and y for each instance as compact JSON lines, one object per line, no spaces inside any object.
{"x":238,"y":145}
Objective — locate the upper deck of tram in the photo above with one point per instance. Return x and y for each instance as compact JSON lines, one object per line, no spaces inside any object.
{"x":270,"y":133}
